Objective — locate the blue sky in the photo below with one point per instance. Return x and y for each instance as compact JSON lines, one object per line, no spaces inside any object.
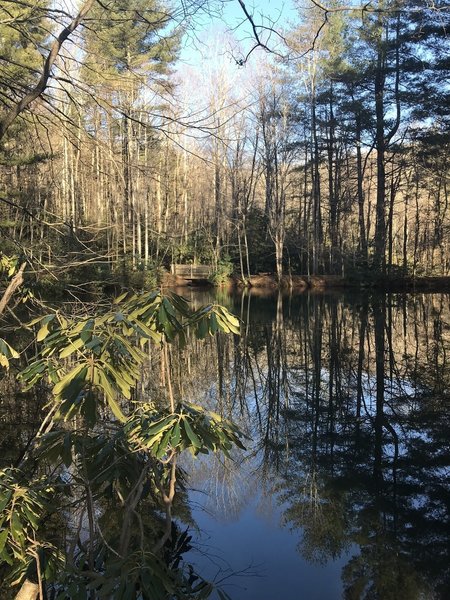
{"x":230,"y":17}
{"x":262,"y":10}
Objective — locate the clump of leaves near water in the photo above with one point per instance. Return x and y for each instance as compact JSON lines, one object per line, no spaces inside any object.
{"x":22,"y":509}
{"x":112,"y":459}
{"x":188,"y":428}
{"x":105,"y":354}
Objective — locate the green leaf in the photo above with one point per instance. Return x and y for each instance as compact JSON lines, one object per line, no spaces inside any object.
{"x":42,"y":333}
{"x":168,"y":307}
{"x":181,"y":304}
{"x":162,"y":316}
{"x":162,"y":449}
{"x":110,"y":396}
{"x":213,"y":325}
{"x":119,"y":379}
{"x":119,"y":299}
{"x":78,"y":373}
{"x":31,"y":516}
{"x":71,"y":348}
{"x":7,"y":350}
{"x":5,"y":497}
{"x":94,"y":343}
{"x":202,"y":329}
{"x":5,"y":556}
{"x":145,"y":331}
{"x":16,"y":527}
{"x":176,"y":435}
{"x":86,"y":332}
{"x":44,"y":330}
{"x":230,"y":321}
{"x":190,"y":433}
{"x":223,"y":325}
{"x":3,"y":538}
{"x":159,"y":425}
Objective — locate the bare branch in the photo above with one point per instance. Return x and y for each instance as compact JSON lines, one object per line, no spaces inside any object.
{"x":46,"y":73}
{"x":14,"y":284}
{"x":256,"y":29}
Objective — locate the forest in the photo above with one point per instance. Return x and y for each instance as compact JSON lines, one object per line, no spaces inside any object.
{"x":325,"y":153}
{"x":276,"y":149}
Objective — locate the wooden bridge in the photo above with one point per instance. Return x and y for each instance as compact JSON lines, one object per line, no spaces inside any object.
{"x":192,"y":272}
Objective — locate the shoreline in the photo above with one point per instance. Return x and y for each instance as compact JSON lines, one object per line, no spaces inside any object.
{"x":335,"y":282}
{"x":298,"y":283}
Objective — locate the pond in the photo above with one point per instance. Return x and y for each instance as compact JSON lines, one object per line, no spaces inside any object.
{"x":343,"y":491}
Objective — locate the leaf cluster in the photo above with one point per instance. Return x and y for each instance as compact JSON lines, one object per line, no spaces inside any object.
{"x":109,"y":451}
{"x":98,"y":360}
{"x":23,"y":507}
{"x":190,"y":428}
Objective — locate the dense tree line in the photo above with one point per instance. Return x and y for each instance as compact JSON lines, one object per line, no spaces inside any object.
{"x":329,"y":159}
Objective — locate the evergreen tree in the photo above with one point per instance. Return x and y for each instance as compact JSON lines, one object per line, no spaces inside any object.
{"x":129,"y":41}
{"x":24,"y":30}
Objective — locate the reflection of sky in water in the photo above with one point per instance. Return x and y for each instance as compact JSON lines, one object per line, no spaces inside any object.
{"x":242,"y":539}
{"x":263,"y":555}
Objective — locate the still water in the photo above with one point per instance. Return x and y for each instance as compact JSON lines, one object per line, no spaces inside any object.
{"x":344,"y":490}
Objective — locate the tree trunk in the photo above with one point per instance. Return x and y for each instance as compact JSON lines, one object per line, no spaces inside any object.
{"x":360,"y":174}
{"x":317,"y":213}
{"x":332,"y":195}
{"x":380,"y":223}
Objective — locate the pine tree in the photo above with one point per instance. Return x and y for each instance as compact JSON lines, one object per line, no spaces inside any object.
{"x":23,"y":34}
{"x":129,"y":49}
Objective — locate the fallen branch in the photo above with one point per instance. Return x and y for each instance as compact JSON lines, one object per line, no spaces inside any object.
{"x":14,"y":284}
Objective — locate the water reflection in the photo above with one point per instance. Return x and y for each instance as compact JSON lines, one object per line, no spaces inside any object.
{"x":344,"y":489}
{"x":347,"y":402}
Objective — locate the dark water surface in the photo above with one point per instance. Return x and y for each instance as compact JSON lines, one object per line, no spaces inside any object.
{"x":344,"y":490}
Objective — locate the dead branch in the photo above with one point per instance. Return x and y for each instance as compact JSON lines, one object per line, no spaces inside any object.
{"x":14,"y":284}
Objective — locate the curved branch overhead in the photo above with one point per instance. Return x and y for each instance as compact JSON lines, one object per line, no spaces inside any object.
{"x":41,"y":85}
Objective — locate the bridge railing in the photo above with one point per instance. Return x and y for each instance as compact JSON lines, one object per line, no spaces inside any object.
{"x":192,"y":271}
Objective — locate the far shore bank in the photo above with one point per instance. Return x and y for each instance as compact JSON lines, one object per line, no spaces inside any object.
{"x":330,"y":282}
{"x":299,"y":283}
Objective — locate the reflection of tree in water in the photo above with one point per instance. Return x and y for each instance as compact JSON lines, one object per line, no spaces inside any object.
{"x":348,"y":404}
{"x":320,"y":515}
{"x":203,"y":374}
{"x":367,"y":468}
{"x":227,"y":489}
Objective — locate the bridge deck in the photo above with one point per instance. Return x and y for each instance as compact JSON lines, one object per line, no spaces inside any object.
{"x":192,"y":271}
